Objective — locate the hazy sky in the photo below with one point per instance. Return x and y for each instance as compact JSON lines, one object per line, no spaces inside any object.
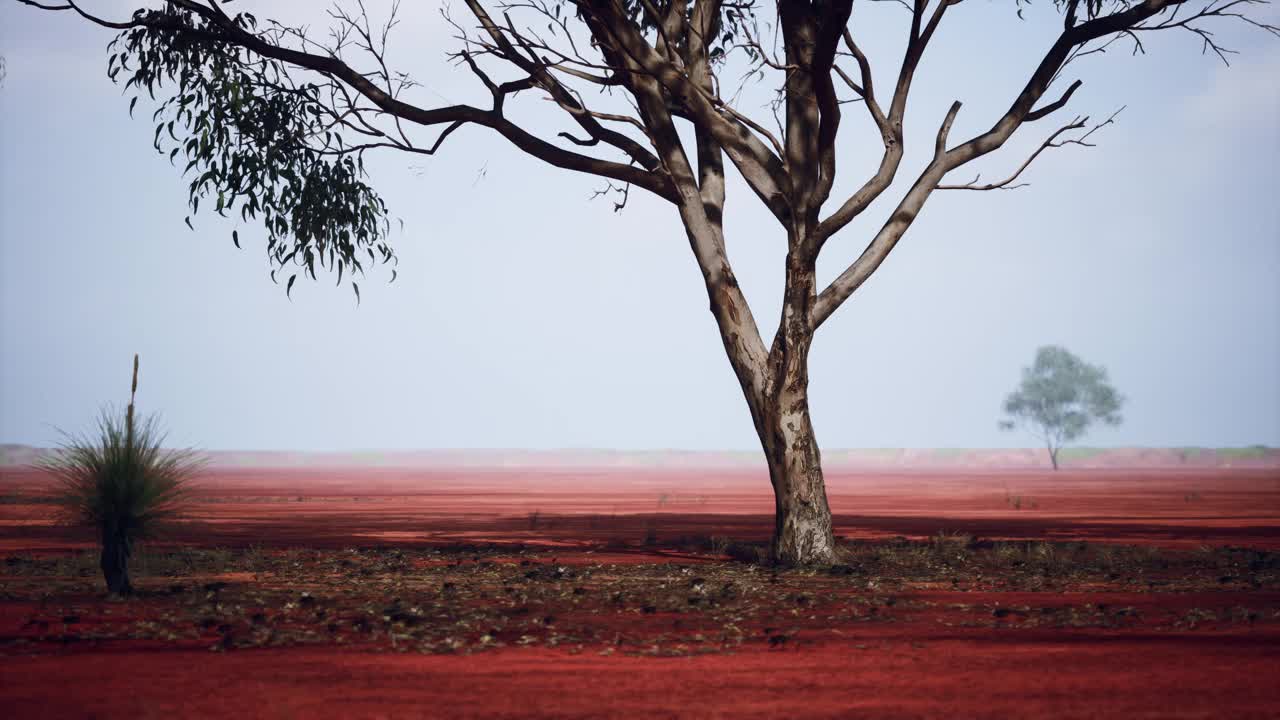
{"x":526,"y":315}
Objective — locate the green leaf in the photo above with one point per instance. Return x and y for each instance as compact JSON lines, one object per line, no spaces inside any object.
{"x":250,"y":132}
{"x":235,"y":238}
{"x":289,"y":288}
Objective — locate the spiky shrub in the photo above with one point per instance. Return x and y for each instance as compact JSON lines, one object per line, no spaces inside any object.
{"x":122,"y":483}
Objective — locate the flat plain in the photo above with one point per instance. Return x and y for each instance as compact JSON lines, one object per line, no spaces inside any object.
{"x":627,"y":592}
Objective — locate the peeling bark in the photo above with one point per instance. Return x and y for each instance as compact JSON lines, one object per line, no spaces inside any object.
{"x":802,"y":527}
{"x":802,"y":520}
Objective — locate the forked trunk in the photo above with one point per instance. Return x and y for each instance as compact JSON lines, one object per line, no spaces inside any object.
{"x":802,"y":522}
{"x":776,"y":386}
{"x":115,"y":563}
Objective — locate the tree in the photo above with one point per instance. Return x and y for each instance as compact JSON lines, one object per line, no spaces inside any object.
{"x":122,"y":484}
{"x":273,"y":123}
{"x":1059,"y":398}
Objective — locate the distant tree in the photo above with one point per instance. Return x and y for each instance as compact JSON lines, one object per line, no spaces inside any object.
{"x":1059,"y":398}
{"x":122,"y":484}
{"x":272,"y":118}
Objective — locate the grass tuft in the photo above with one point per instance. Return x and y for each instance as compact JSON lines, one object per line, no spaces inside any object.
{"x":121,"y":481}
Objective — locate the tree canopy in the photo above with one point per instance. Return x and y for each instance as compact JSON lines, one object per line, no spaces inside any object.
{"x":1060,"y":398}
{"x":272,"y":119}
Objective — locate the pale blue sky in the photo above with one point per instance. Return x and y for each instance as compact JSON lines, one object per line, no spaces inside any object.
{"x":527,"y":316}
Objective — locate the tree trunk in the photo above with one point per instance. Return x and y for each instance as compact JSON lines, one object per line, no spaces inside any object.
{"x":775,"y":383}
{"x":802,"y":518}
{"x":115,"y":563}
{"x":1053,"y":457}
{"x":802,"y":523}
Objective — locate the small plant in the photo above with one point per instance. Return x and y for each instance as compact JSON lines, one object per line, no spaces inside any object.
{"x":121,"y":483}
{"x":650,"y":533}
{"x":720,"y":544}
{"x":945,"y":541}
{"x":1016,"y":501}
{"x":745,"y":552}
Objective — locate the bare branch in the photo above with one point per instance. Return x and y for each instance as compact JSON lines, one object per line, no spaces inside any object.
{"x":1006,"y":183}
{"x":87,"y":16}
{"x":890,"y":126}
{"x":1128,"y":18}
{"x":940,"y":145}
{"x":1055,"y":105}
{"x":1226,"y":9}
{"x":544,"y":79}
{"x":623,"y":191}
{"x":761,"y":168}
{"x":867,"y":88}
{"x":1051,"y":142}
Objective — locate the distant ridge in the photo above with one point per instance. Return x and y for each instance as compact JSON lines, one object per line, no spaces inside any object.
{"x":871,"y":458}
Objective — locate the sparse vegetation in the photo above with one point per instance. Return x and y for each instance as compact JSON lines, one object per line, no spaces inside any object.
{"x":1251,"y":452}
{"x":1080,"y":453}
{"x":1190,"y":453}
{"x":121,"y":483}
{"x":650,"y":533}
{"x":667,"y":500}
{"x":1016,"y":501}
{"x":469,"y":598}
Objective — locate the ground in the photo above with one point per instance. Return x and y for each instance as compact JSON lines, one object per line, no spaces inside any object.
{"x":635,"y":593}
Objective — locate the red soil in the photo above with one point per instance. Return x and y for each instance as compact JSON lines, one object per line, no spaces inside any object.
{"x":339,"y":508}
{"x":924,"y":666}
{"x":1051,"y":676}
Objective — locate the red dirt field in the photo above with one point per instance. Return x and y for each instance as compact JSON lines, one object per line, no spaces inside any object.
{"x":363,"y":506}
{"x":582,"y":593}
